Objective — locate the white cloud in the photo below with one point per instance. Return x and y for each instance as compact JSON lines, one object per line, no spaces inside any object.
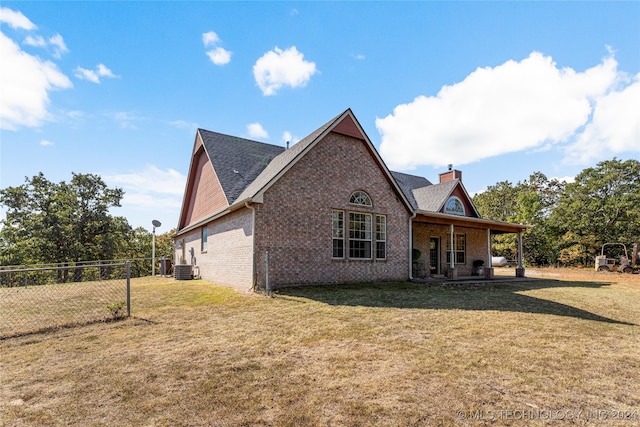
{"x":15,"y":19}
{"x":25,"y":83}
{"x":565,"y":179}
{"x":288,"y":137}
{"x":36,"y":41}
{"x":46,"y":143}
{"x":59,"y":47}
{"x":126,"y":119}
{"x":278,"y":68}
{"x":183,"y":124}
{"x":614,"y":128}
{"x":210,"y":39}
{"x":255,"y":130}
{"x":217,"y":55}
{"x":150,"y":193}
{"x":94,"y":75}
{"x":512,"y":107}
{"x":150,"y":180}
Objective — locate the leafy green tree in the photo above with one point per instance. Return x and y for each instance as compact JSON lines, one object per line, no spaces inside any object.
{"x":602,"y":205}
{"x":57,"y":223}
{"x":530,"y":202}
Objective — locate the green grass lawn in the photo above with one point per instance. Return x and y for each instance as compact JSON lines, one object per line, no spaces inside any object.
{"x":390,"y":354}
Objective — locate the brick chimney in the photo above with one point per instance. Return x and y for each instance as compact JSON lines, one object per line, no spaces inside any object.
{"x":450,"y":175}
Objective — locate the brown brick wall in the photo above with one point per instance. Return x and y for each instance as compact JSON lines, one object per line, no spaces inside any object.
{"x":294,"y":223}
{"x":476,"y":240}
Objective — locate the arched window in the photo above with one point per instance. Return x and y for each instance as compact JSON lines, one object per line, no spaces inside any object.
{"x":454,"y":206}
{"x":360,"y":198}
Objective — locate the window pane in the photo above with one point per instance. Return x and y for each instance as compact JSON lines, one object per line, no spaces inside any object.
{"x":203,"y":240}
{"x":381,"y":227}
{"x":338,"y":224}
{"x":359,"y":249}
{"x":338,"y":248}
{"x":381,"y":250}
{"x":360,"y":198}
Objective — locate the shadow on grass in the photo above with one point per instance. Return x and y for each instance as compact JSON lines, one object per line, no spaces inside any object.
{"x":455,"y":296}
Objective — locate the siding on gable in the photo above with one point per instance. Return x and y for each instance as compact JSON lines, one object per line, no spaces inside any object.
{"x":206,"y":195}
{"x":294,"y":223}
{"x":460,"y":194}
{"x":348,"y":127}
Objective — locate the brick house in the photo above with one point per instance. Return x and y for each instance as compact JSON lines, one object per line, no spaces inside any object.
{"x":326,"y":210}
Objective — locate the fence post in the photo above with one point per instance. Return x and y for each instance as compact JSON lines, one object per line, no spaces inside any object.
{"x":128,"y":264}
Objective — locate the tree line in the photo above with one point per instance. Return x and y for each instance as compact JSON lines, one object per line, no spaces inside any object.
{"x":59,"y":223}
{"x":569,"y":221}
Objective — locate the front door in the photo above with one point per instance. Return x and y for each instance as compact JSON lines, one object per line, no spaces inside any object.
{"x":434,"y":255}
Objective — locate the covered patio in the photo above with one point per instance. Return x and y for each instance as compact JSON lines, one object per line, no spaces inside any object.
{"x":455,"y":247}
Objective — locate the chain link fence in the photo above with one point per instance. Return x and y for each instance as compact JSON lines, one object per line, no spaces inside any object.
{"x":41,"y":298}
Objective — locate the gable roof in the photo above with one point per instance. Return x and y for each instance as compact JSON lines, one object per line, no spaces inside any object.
{"x":427,"y":197}
{"x":346,"y":124}
{"x":246,"y":169}
{"x":433,"y":197}
{"x":408,"y":183}
{"x":236,"y":161}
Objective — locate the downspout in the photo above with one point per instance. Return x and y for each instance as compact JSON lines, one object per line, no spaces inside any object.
{"x":411,"y":245}
{"x":253,"y":245}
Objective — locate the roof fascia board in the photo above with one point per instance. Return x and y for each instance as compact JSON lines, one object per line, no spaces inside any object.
{"x":204,"y":146}
{"x":188,"y":181}
{"x":260,"y":193}
{"x":213,"y":217}
{"x":469,"y":199}
{"x":487,"y":223}
{"x":381,"y":162}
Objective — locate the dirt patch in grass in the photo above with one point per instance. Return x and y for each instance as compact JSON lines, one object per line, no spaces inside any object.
{"x":383,"y":354}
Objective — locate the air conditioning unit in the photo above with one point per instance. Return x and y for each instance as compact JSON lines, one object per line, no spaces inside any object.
{"x":183,"y":271}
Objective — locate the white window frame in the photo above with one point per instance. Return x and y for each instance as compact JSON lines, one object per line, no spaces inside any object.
{"x":360,"y":198}
{"x":381,"y":235}
{"x":204,"y":238}
{"x":458,"y":203}
{"x":360,"y":235}
{"x":459,"y":249}
{"x":337,"y":231}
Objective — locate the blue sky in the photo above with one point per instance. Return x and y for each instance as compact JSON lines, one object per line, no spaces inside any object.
{"x":498,"y":89}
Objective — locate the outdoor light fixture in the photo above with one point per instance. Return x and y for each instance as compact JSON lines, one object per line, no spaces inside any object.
{"x":155,"y":223}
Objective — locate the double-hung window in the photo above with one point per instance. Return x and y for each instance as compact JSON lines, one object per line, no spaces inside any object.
{"x":359,"y":235}
{"x":459,"y":249}
{"x":338,"y":233}
{"x":381,"y":236}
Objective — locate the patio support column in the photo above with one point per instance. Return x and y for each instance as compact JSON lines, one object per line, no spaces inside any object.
{"x":520,"y":268}
{"x":488,"y":270}
{"x":452,"y":271}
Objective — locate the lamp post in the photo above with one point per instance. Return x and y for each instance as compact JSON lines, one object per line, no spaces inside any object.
{"x":155,"y":223}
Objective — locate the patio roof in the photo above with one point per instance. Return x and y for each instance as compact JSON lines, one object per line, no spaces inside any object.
{"x":496,"y":227}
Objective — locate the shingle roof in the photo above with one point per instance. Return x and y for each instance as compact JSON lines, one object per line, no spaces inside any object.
{"x":280,"y":162}
{"x":237,"y":161}
{"x":408,"y":183}
{"x":433,"y":197}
